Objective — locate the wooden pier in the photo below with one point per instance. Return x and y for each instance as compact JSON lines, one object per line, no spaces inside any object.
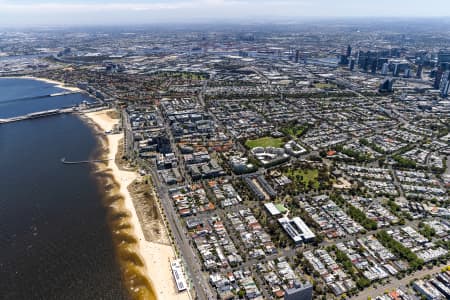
{"x":37,"y":115}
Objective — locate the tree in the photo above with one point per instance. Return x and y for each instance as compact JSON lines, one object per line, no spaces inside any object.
{"x":427,"y":231}
{"x":362,"y":283}
{"x":398,"y":249}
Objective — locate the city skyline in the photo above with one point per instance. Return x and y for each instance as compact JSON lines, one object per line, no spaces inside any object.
{"x":101,"y":12}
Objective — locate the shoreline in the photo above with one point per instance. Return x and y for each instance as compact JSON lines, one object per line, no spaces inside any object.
{"x":57,"y":84}
{"x":155,"y":257}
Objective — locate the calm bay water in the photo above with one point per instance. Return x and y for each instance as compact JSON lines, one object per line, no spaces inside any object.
{"x":54,"y":239}
{"x":23,"y":96}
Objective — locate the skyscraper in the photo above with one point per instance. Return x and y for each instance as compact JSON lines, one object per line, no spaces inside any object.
{"x":297,"y":56}
{"x":349,"y":51}
{"x":343,"y":60}
{"x":373,"y":67}
{"x":445,"y":89}
{"x":419,"y":71}
{"x":408,"y":73}
{"x":445,"y":84}
{"x":396,"y":71}
{"x":437,"y":78}
{"x":387,"y":86}
{"x":351,"y":64}
{"x":385,"y":69}
{"x":443,"y":56}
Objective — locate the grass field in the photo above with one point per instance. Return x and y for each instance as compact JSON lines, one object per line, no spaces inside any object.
{"x":309,"y":178}
{"x":264,"y":142}
{"x":325,"y":85}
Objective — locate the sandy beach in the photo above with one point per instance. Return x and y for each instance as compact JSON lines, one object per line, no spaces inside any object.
{"x":58,"y":84}
{"x":155,"y":256}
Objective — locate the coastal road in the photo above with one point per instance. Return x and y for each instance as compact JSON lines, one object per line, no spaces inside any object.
{"x":201,"y":285}
{"x":128,"y":142}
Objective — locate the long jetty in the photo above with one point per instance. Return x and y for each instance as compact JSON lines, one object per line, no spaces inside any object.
{"x":64,"y":161}
{"x":37,"y":115}
{"x":40,"y":97}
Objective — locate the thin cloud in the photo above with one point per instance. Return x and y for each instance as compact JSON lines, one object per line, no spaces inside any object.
{"x":71,"y":7}
{"x":48,"y":12}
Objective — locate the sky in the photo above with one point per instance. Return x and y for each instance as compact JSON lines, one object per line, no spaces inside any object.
{"x":116,"y":12}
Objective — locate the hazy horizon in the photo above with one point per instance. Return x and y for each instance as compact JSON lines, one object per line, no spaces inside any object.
{"x":117,"y":12}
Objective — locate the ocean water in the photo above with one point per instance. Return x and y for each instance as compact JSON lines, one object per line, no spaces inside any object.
{"x":23,"y":96}
{"x":54,"y":239}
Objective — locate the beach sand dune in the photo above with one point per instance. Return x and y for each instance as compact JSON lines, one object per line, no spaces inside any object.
{"x":156,"y":256}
